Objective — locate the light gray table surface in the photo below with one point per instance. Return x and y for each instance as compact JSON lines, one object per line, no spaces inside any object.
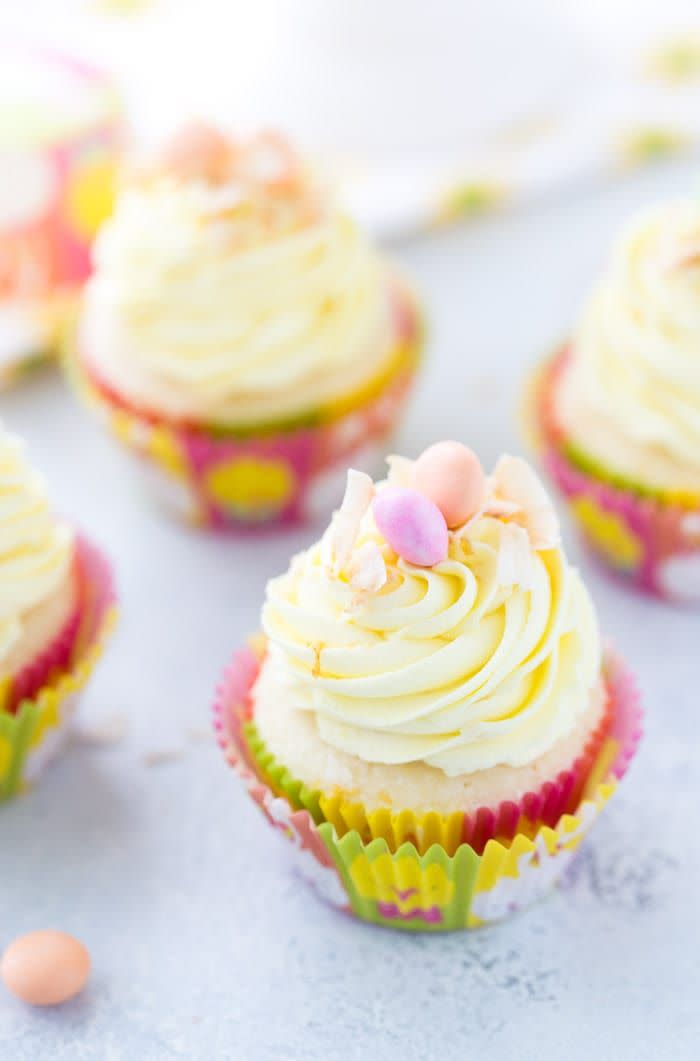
{"x":203,"y":945}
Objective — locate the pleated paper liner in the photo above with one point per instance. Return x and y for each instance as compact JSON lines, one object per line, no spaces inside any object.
{"x":431,"y":881}
{"x":32,"y":733}
{"x":544,"y":806}
{"x":272,"y":474}
{"x":650,"y":537}
{"x":54,"y":659}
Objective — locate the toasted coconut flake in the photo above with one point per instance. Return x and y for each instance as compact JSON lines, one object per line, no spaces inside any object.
{"x":340,"y":538}
{"x":515,"y":558}
{"x":367,"y":569}
{"x":400,"y":471}
{"x":516,"y":483}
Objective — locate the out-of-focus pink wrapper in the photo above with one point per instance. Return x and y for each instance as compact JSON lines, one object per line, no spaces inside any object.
{"x":33,"y":726}
{"x":57,"y":166}
{"x":54,"y":659}
{"x":422,"y":875}
{"x":268,"y":476}
{"x":653,"y":541}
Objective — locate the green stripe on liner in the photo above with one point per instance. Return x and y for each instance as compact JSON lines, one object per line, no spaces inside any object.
{"x":592,"y":467}
{"x":411,"y":357}
{"x":459,"y":869}
{"x":17,"y":730}
{"x":278,"y":777}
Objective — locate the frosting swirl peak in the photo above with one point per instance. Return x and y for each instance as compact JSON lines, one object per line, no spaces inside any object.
{"x":236,"y":299}
{"x":632,"y":394}
{"x":487,"y":657}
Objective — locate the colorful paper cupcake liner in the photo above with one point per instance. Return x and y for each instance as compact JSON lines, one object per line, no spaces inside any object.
{"x":33,"y":733}
{"x":426,"y":882}
{"x":54,"y":659}
{"x":651,"y":538}
{"x":277,"y":474}
{"x":47,"y":233}
{"x":545,"y":806}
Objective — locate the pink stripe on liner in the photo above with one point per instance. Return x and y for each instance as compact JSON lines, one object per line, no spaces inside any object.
{"x":622,"y":722}
{"x":662,"y":538}
{"x":54,"y":659}
{"x":99,"y":594}
{"x":96,"y":596}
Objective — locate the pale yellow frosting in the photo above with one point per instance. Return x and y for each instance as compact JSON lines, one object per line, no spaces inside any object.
{"x":198,"y":311}
{"x":36,"y":550}
{"x":463,"y":666}
{"x":292,"y":737}
{"x":631,"y":397}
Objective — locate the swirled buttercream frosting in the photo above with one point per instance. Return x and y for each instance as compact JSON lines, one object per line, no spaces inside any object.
{"x":35,"y":550}
{"x":632,"y":393}
{"x":227,"y":289}
{"x":488,"y":656}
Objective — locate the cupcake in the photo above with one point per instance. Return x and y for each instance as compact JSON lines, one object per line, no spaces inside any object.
{"x":616,"y":412}
{"x":56,"y":608}
{"x":240,"y":335}
{"x":429,"y":716}
{"x":59,"y":139}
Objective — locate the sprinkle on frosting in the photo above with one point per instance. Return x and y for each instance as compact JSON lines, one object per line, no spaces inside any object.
{"x":259,"y":187}
{"x":35,"y":550}
{"x":487,"y":656}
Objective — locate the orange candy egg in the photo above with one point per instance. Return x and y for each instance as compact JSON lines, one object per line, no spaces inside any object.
{"x":45,"y":968}
{"x":452,"y":477}
{"x":199,"y":151}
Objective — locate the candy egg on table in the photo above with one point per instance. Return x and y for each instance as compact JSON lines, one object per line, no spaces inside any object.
{"x":45,"y":968}
{"x":412,"y":524}
{"x":451,"y":475}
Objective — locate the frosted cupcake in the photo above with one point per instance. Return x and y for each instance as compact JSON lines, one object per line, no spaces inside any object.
{"x":60,"y":133}
{"x":617,"y":411}
{"x":241,"y":335}
{"x":429,"y":715}
{"x":56,"y":606}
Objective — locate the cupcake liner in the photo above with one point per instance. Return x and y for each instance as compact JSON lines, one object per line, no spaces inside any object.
{"x":64,"y":190}
{"x":271,"y":475}
{"x":650,"y":538}
{"x":545,"y":806}
{"x":426,"y":883}
{"x":35,"y":731}
{"x":50,"y":662}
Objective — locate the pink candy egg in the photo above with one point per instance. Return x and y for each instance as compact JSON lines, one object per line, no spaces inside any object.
{"x":45,"y":968}
{"x":412,"y":524}
{"x":451,"y":476}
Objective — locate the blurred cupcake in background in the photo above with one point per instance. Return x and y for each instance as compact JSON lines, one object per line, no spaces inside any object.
{"x":60,"y":134}
{"x":430,"y":717}
{"x":56,"y":608}
{"x":616,"y":413}
{"x":240,"y":335}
